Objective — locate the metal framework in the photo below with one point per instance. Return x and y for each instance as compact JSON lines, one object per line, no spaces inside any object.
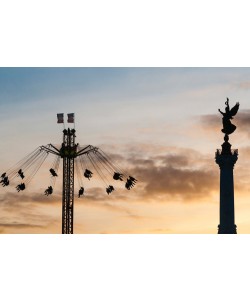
{"x":68,"y":153}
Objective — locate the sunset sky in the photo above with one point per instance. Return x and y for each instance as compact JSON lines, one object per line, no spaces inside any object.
{"x":148,"y":81}
{"x":162,"y":125}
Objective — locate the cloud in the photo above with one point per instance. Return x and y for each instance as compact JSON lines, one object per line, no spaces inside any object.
{"x":180,"y":173}
{"x":170,"y":181}
{"x":242,"y":121}
{"x":214,"y":121}
{"x":95,"y":195}
{"x":164,"y":174}
{"x":98,"y":197}
{"x":16,"y":227}
{"x":245,"y":85}
{"x":25,"y":198}
{"x":210,"y":122}
{"x":21,"y":225}
{"x":28,"y":212}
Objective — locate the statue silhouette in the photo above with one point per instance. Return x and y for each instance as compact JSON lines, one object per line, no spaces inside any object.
{"x":228,"y":127}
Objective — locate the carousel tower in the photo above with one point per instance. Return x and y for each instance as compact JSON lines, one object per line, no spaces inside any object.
{"x":226,"y":159}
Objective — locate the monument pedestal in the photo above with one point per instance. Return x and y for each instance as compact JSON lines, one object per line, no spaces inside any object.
{"x":226,"y":159}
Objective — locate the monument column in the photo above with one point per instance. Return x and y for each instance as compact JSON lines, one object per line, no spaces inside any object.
{"x":226,"y":163}
{"x":226,"y":159}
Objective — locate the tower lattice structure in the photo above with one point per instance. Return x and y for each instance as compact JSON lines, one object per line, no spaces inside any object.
{"x":68,"y":152}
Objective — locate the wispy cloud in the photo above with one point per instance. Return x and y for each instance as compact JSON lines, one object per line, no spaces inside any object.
{"x":171,"y":177}
{"x":244,"y":85}
{"x":26,"y":198}
{"x":21,"y":225}
{"x":214,"y":121}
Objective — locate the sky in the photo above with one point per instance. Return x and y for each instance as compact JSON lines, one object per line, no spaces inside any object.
{"x":161,"y":125}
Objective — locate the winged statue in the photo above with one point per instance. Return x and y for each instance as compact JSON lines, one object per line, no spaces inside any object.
{"x":228,"y":127}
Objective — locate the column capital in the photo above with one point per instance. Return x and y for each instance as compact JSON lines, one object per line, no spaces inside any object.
{"x":226,"y":160}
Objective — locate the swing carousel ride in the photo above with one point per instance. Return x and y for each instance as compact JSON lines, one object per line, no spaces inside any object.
{"x":85,"y":160}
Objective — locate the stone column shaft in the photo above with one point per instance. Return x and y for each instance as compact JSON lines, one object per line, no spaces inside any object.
{"x":226,"y":163}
